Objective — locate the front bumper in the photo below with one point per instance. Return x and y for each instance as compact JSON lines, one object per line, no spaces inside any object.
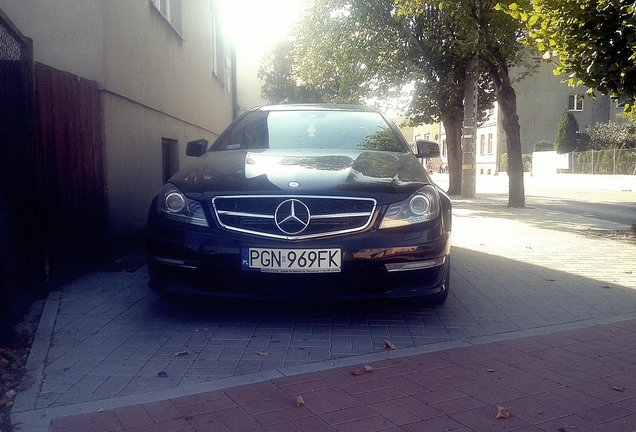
{"x":374,"y":264}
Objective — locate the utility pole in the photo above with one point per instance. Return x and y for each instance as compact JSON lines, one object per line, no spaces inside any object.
{"x":469,"y":141}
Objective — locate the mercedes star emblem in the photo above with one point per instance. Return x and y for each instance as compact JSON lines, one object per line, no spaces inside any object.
{"x":292,"y":216}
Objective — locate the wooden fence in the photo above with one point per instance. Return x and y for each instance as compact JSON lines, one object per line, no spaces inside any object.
{"x":69,"y":160}
{"x":52,"y":205}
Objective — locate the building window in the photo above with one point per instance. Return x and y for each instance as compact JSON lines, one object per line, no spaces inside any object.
{"x":575,"y":102}
{"x":482,"y":144}
{"x":218,"y":51}
{"x":170,"y":156}
{"x":443,"y":147}
{"x":489,"y":143}
{"x":171,"y":11}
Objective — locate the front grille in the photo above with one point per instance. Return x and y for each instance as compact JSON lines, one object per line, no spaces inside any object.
{"x":295,"y":217}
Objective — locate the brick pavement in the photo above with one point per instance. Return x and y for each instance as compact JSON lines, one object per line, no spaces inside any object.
{"x":106,"y":338}
{"x":578,"y":380}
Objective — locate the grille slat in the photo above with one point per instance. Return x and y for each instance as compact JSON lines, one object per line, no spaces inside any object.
{"x":256,"y":214}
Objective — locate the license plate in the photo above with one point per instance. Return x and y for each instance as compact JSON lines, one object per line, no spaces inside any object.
{"x":292,"y":260}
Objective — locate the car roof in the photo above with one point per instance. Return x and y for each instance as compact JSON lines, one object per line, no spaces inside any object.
{"x":316,"y":107}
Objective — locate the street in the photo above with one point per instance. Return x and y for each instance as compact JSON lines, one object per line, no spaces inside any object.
{"x":548,"y":193}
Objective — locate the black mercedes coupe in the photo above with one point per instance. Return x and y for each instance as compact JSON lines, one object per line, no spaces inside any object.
{"x":304,"y":202}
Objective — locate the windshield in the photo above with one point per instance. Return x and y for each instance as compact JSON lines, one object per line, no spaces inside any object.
{"x":352,"y":130}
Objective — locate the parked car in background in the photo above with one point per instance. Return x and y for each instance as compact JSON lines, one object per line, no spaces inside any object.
{"x":303,"y":202}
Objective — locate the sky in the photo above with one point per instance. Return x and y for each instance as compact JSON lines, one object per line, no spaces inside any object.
{"x":257,"y":24}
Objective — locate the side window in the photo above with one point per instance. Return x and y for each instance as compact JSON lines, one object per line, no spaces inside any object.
{"x":249,"y":133}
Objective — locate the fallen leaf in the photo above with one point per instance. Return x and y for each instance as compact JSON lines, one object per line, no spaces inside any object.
{"x":358,"y":372}
{"x":389,"y":345}
{"x":262,"y":353}
{"x":620,"y":389}
{"x":162,"y":374}
{"x":367,"y":368}
{"x":182,"y":353}
{"x":502,"y":413}
{"x":300,"y":401}
{"x":7,"y":397}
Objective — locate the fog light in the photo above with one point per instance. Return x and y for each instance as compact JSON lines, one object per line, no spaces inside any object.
{"x":415,"y":265}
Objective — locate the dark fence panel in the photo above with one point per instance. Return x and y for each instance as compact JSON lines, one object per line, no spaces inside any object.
{"x":21,"y":251}
{"x":70,"y":158}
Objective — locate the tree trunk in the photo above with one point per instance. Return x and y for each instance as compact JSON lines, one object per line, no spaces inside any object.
{"x":508,"y":102}
{"x":453,"y":128}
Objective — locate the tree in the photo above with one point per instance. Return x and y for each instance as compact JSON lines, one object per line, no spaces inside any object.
{"x":279,"y":86}
{"x":566,"y":139}
{"x":498,"y":48}
{"x":356,"y":50}
{"x":594,"y":42}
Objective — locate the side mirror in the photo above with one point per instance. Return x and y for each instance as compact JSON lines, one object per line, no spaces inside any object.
{"x":197,"y":147}
{"x":426,"y":149}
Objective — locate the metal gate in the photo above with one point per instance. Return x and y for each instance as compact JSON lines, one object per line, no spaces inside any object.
{"x":21,"y":258}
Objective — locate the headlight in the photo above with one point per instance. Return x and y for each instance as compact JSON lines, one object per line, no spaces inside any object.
{"x":420,"y":207}
{"x":173,"y":204}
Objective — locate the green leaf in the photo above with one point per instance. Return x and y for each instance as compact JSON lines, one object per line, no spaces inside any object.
{"x":513,"y":6}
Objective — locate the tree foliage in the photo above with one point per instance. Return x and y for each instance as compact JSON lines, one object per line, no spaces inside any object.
{"x":593,"y":42}
{"x":280,"y":87}
{"x":372,"y":50}
{"x":416,"y":52}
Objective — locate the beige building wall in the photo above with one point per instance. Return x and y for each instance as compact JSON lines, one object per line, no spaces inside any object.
{"x":249,"y":85}
{"x":156,"y":80}
{"x":67,"y":34}
{"x":541,"y":99}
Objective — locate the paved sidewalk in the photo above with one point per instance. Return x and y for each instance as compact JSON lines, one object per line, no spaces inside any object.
{"x":538,"y":308}
{"x":579,"y":380}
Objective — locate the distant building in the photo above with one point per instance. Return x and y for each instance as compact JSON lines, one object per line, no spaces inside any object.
{"x":165,"y":76}
{"x":541,"y":99}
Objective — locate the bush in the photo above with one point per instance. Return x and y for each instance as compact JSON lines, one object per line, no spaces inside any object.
{"x":611,"y":135}
{"x":543,"y":146}
{"x":526,"y":159}
{"x":567,"y":135}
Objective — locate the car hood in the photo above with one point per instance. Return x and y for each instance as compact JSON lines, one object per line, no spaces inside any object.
{"x":300,"y":171}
